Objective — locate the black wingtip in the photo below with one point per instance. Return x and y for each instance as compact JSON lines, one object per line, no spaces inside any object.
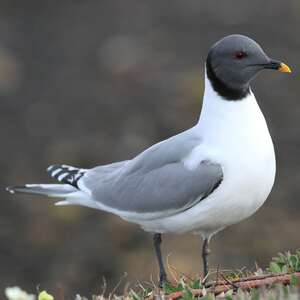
{"x":66,"y":174}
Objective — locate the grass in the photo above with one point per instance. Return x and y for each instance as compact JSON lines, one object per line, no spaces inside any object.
{"x":281,"y":280}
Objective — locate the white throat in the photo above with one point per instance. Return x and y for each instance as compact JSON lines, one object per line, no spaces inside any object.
{"x":224,"y":116}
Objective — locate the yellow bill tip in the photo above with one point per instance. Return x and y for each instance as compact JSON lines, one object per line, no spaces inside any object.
{"x":284,"y":68}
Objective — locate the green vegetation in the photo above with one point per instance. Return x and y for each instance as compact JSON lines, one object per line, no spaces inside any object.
{"x":279,"y":281}
{"x":285,"y":263}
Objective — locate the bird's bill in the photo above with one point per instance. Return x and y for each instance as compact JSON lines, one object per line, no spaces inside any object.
{"x":278,"y":65}
{"x":274,"y":65}
{"x":284,"y":68}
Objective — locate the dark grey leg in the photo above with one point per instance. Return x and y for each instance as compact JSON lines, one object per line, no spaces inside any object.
{"x":162,"y":272}
{"x":205,"y":253}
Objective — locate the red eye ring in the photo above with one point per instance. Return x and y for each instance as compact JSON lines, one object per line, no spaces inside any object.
{"x":239,"y":55}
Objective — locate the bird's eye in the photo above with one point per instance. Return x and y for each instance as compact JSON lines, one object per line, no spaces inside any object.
{"x":239,"y":55}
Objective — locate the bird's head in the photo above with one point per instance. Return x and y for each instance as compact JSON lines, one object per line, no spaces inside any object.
{"x":233,"y":61}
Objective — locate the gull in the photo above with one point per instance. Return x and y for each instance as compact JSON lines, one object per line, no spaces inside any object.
{"x":215,"y":174}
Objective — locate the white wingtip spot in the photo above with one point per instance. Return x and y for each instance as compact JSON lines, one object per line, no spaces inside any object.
{"x":62,"y":203}
{"x":31,"y":185}
{"x":50,"y":168}
{"x":56,"y":172}
{"x":10,"y":190}
{"x":62,"y":176}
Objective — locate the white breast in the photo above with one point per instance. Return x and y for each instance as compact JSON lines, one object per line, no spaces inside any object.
{"x":234,"y":134}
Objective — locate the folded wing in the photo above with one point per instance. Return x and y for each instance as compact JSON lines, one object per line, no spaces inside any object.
{"x":156,"y":183}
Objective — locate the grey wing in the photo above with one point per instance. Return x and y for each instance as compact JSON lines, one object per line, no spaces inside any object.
{"x":161,"y":192}
{"x":156,"y":182}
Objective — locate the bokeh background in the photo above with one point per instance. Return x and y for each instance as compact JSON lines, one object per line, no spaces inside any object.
{"x":92,"y":82}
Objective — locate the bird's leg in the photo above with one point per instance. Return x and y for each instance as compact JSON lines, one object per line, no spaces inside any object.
{"x":205,"y":253}
{"x":162,"y":272}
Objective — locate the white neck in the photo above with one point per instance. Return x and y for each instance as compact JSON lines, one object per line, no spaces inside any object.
{"x":227,"y":118}
{"x":216,"y":109}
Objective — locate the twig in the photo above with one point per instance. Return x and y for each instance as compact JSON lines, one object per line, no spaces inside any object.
{"x":117,"y":285}
{"x":244,"y":284}
{"x":172,"y":268}
{"x":60,"y":292}
{"x":230,"y":282}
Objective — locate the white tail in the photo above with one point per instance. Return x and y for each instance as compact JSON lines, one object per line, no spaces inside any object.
{"x":71,"y":195}
{"x":50,"y":190}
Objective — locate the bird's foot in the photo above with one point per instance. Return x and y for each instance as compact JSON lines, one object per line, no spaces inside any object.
{"x":162,"y":280}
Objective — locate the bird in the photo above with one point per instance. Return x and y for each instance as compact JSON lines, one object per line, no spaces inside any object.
{"x":213,"y":175}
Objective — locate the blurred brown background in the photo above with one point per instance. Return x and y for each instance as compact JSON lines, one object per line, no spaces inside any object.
{"x":92,"y":82}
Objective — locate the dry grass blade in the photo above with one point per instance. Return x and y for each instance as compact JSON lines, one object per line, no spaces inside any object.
{"x":244,"y":284}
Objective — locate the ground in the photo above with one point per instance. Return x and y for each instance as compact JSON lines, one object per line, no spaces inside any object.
{"x":279,"y":281}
